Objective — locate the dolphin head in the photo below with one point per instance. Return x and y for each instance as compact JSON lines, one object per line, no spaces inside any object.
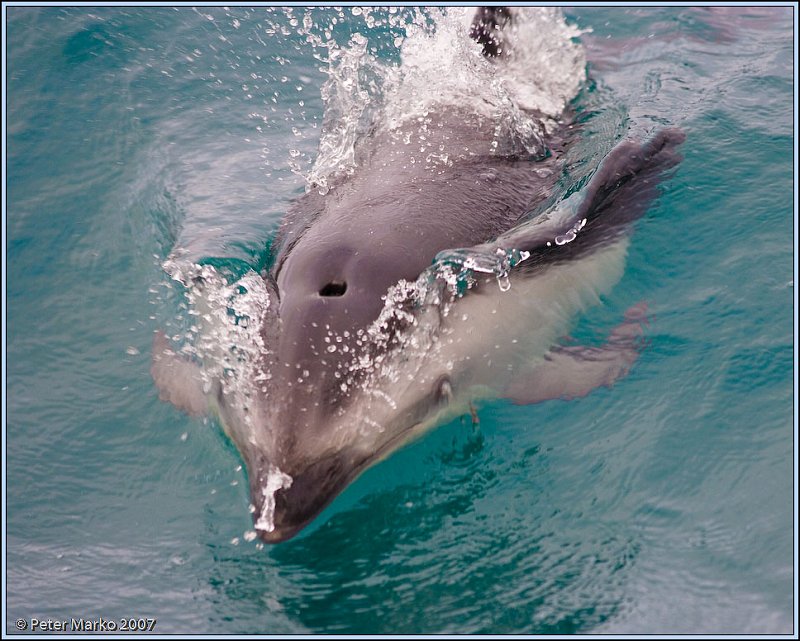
{"x":342,"y":394}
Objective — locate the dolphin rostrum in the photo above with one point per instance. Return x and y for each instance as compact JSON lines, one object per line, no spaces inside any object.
{"x":410,"y":290}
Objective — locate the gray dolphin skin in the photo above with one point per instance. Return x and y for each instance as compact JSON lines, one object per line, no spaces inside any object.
{"x":383,"y":320}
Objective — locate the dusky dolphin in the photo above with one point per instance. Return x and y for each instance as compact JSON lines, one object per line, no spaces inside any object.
{"x":409,"y":291}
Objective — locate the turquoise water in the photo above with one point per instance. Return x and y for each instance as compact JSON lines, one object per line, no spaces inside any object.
{"x":661,"y":505}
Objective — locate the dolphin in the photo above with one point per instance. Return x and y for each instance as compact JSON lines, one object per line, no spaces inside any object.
{"x":411,"y":290}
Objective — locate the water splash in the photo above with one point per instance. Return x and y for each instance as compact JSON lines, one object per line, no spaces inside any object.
{"x":441,"y":66}
{"x":465,"y":262}
{"x":229,"y":318}
{"x":347,"y":102}
{"x":276,"y":480}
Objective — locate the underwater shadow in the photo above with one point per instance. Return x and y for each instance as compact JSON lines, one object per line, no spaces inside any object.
{"x":451,"y":554}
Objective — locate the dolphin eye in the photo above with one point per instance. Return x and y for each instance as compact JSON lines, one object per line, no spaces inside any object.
{"x":334,"y":288}
{"x":444,"y":390}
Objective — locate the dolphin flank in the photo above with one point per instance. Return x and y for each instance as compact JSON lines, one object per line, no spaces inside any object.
{"x":409,"y":289}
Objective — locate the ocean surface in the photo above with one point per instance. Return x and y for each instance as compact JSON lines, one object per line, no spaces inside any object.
{"x":661,"y":505}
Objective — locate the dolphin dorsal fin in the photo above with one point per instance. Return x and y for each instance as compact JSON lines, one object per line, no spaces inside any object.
{"x":487,"y":27}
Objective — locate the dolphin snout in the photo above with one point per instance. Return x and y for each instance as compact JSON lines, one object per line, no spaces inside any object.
{"x":285,"y":502}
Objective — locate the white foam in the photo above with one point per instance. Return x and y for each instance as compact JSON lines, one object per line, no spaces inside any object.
{"x":441,"y":66}
{"x":276,"y":480}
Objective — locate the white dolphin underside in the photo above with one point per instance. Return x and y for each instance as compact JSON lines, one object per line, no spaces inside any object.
{"x":498,"y":343}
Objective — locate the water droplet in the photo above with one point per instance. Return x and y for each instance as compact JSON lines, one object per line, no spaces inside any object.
{"x":504,"y":282}
{"x":566,"y":238}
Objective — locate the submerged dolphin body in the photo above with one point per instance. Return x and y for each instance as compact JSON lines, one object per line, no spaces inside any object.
{"x":377,"y":327}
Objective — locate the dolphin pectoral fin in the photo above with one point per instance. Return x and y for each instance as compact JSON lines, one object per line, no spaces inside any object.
{"x":179,"y":380}
{"x":574,"y":371}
